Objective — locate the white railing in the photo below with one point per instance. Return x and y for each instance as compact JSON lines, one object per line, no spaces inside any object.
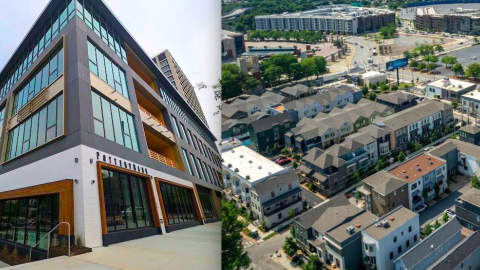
{"x":48,"y":244}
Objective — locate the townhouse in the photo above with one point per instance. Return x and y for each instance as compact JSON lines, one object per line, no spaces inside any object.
{"x":389,"y":238}
{"x":470,"y":134}
{"x":467,"y":208}
{"x":268,"y":131}
{"x":243,"y":108}
{"x":398,"y":100}
{"x":426,"y":176}
{"x":328,"y":129}
{"x":432,"y":248}
{"x":412,"y":124}
{"x":332,"y":169}
{"x":461,"y":157}
{"x":465,"y":255}
{"x":297,"y":91}
{"x":238,"y":128}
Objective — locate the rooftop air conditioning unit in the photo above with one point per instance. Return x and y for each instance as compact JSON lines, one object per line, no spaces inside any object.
{"x":259,"y":167}
{"x":250,"y":161}
{"x":229,"y":165}
{"x":384,"y":223}
{"x":419,"y":169}
{"x":241,"y":156}
{"x":247,"y":177}
{"x":350,"y":230}
{"x":237,"y":170}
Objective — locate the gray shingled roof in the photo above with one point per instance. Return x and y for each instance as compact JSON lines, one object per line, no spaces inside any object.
{"x":462,"y":147}
{"x":297,"y":90}
{"x":443,"y":149}
{"x":271,"y":183}
{"x":472,"y":196}
{"x":413,"y":114}
{"x":254,"y":117}
{"x":384,"y":183}
{"x":470,"y":129}
{"x":267,"y":123}
{"x":396,"y":97}
{"x":458,"y":254}
{"x":323,"y":159}
{"x":307,"y":219}
{"x":375,"y":131}
{"x":424,"y":248}
{"x":334,"y":216}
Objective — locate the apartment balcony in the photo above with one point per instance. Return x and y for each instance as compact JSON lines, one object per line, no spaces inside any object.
{"x":157,"y":124}
{"x":160,"y":158}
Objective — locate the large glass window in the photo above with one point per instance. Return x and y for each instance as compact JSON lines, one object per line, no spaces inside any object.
{"x":45,"y":75}
{"x":26,"y":220}
{"x":113,"y":123}
{"x":126,"y":201}
{"x":42,"y":127}
{"x":40,"y":43}
{"x":207,"y":203}
{"x":175,"y":125}
{"x":106,"y":70}
{"x":187,"y":162}
{"x":178,"y":204}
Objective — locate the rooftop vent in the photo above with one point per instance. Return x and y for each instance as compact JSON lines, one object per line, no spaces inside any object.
{"x":250,"y":161}
{"x":241,"y":156}
{"x":419,"y":169}
{"x":229,"y":165}
{"x":406,"y":176}
{"x":233,"y":151}
{"x":428,"y":158}
{"x":416,"y":164}
{"x":247,"y":177}
{"x":391,"y":218}
{"x":259,"y":167}
{"x":237,"y":170}
{"x":404,"y":171}
{"x":350,"y":230}
{"x":431,"y":162}
{"x":358,"y":225}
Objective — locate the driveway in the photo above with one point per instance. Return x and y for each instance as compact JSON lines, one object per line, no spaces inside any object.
{"x":261,"y":253}
{"x":311,"y":198}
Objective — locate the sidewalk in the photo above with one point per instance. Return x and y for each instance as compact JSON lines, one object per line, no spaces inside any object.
{"x":284,"y":261}
{"x":194,"y":248}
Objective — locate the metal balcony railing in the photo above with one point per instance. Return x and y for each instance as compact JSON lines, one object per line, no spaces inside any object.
{"x":160,"y":158}
{"x":160,"y":122}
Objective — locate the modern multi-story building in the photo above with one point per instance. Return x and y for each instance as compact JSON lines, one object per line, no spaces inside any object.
{"x":470,"y":134}
{"x":170,"y":68}
{"x":233,"y":44}
{"x":267,"y":132}
{"x":333,"y":19}
{"x":467,"y":208}
{"x":95,"y":135}
{"x":390,"y":237}
{"x":470,"y":103}
{"x":460,"y":20}
{"x":461,"y":157}
{"x":465,"y":255}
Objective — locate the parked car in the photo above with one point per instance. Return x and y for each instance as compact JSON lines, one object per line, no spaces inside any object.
{"x":280,"y":158}
{"x":361,"y":46}
{"x":419,"y":209}
{"x":284,"y":161}
{"x":473,"y":57}
{"x":451,"y":214}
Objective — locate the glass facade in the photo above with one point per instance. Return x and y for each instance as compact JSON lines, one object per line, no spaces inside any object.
{"x":25,"y":221}
{"x":49,"y":32}
{"x":95,"y":21}
{"x":178,"y":203}
{"x":126,"y":201}
{"x":187,"y":162}
{"x":107,"y":70}
{"x":113,"y":123}
{"x":43,"y":126}
{"x":46,"y":75}
{"x":207,"y":202}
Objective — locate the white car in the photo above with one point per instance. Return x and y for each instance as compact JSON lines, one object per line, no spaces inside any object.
{"x":451,"y":214}
{"x":473,"y":57}
{"x":419,"y":209}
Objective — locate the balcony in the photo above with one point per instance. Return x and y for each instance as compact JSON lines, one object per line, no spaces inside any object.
{"x":158,"y":157}
{"x":157,"y":124}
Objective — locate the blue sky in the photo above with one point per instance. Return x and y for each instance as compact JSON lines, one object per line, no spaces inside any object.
{"x":189,"y":29}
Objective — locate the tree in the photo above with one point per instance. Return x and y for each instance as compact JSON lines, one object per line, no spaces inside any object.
{"x":372,"y":96}
{"x":290,"y":247}
{"x":430,"y":58}
{"x":473,"y":70}
{"x":394,"y":87}
{"x":296,"y":71}
{"x":285,"y":151}
{"x":475,"y":181}
{"x":457,"y":68}
{"x":445,"y":217}
{"x":313,"y":263}
{"x":356,"y":177}
{"x":449,"y":60}
{"x":380,"y":165}
{"x":272,"y":74}
{"x":431,"y":66}
{"x":428,"y":230}
{"x":309,"y":67}
{"x":437,"y":224}
{"x":455,"y":103}
{"x":292,"y":230}
{"x":320,"y":64}
{"x":422,"y":66}
{"x":438,"y":48}
{"x":358,"y":195}
{"x":233,"y":255}
{"x":414,"y":55}
{"x":413,"y":64}
{"x":268,"y":150}
{"x":231,"y":81}
{"x":276,"y":147}
{"x":295,"y":164}
{"x":291,"y":213}
{"x":407,"y":54}
{"x":475,"y":39}
{"x":401,"y":156}
{"x":364,"y":90}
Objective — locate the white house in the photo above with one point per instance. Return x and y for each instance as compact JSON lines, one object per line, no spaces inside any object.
{"x":447,"y":88}
{"x":388,"y":238}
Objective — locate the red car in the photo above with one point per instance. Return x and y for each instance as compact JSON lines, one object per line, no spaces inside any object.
{"x":284,"y":161}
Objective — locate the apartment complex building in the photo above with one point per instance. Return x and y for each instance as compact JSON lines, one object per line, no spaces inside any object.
{"x":460,"y":20}
{"x":419,"y":121}
{"x":461,"y":157}
{"x":94,"y":134}
{"x":245,"y":107}
{"x":333,"y":19}
{"x":170,"y":69}
{"x":398,"y":100}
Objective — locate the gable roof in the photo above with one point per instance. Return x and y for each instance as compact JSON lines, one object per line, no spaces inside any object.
{"x":297,"y":89}
{"x":271,"y":183}
{"x":396,"y":97}
{"x":375,"y":131}
{"x":309,"y":218}
{"x":427,"y":246}
{"x":470,"y":129}
{"x":383,"y":182}
{"x":267,"y":123}
{"x":458,"y":254}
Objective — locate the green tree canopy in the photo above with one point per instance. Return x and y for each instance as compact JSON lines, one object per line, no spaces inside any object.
{"x":473,"y":70}
{"x":449,"y":60}
{"x":457,"y":69}
{"x":290,"y":247}
{"x":401,"y":156}
{"x":233,"y":255}
{"x":309,"y":67}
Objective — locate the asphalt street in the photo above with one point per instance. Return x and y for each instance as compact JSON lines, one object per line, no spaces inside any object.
{"x":261,"y":253}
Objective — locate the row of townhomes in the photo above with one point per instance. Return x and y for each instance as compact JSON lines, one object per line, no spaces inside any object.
{"x":259,"y":184}
{"x":94,"y":135}
{"x":325,"y":130}
{"x":348,"y":237}
{"x":412,"y":183}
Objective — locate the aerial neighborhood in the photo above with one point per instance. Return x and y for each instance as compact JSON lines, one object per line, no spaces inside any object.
{"x":352,"y":140}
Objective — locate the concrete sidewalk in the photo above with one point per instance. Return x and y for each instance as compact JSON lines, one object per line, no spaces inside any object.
{"x":193,"y":248}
